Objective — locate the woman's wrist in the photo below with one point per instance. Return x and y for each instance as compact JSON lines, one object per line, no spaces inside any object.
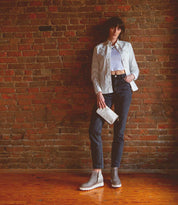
{"x":133,"y":76}
{"x":98,"y":93}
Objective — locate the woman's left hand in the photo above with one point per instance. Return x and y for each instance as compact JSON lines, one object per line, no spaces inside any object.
{"x":129,"y":78}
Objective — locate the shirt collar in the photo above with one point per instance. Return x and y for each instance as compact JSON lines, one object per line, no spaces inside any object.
{"x":117,"y":44}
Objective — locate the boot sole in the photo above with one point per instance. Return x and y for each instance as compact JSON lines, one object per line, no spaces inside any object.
{"x":116,"y":186}
{"x":92,"y":187}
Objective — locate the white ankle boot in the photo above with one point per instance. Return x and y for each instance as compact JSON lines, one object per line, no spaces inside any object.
{"x":96,"y":180}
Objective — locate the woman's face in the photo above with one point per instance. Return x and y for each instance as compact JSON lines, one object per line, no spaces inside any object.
{"x":114,"y":32}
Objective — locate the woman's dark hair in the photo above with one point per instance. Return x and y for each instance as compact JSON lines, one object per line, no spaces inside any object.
{"x":114,"y":22}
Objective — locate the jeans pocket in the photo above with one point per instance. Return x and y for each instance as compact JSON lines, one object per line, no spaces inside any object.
{"x":124,"y":81}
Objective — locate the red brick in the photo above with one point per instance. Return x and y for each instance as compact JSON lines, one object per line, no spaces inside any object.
{"x":65,"y":46}
{"x":3,"y":54}
{"x":7,"y":90}
{"x":33,"y":90}
{"x":49,"y":46}
{"x":24,"y":47}
{"x":9,"y":72}
{"x":8,"y":47}
{"x":7,"y":79}
{"x":47,"y":34}
{"x":169,"y":19}
{"x":3,"y":108}
{"x":163,"y":58}
{"x":8,"y":60}
{"x":36,"y":3}
{"x":23,"y":102}
{"x":46,"y":89}
{"x":48,"y":53}
{"x":98,"y":8}
{"x":27,"y":72}
{"x":8,"y":96}
{"x":66,"y":52}
{"x":30,"y":53}
{"x":29,"y":35}
{"x":32,"y":16}
{"x":53,"y":8}
{"x":166,"y":125}
{"x":83,"y":39}
{"x":145,"y":137}
{"x":37,"y":47}
{"x":70,"y":33}
{"x":13,"y":53}
{"x":124,"y":8}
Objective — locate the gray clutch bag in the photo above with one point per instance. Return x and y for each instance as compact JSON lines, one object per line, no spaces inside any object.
{"x":107,"y":114}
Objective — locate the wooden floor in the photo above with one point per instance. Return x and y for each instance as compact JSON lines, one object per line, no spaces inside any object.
{"x":58,"y":188}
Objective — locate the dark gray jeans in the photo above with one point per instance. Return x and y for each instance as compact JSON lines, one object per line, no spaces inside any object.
{"x":121,"y":98}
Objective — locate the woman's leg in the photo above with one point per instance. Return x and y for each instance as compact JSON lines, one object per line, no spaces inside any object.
{"x":95,"y":129}
{"x":122,"y":102}
{"x":96,"y":179}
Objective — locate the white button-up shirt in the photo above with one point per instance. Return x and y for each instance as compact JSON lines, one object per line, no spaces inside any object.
{"x":101,"y":72}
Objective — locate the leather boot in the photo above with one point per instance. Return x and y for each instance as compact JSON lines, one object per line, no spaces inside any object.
{"x":96,"y":180}
{"x":115,"y":181}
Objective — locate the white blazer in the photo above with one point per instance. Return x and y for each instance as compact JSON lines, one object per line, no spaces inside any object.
{"x":101,"y":73}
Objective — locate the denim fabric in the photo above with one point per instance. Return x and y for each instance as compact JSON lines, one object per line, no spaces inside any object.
{"x":121,"y":98}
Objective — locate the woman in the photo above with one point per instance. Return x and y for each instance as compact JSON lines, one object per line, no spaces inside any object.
{"x":114,"y":70}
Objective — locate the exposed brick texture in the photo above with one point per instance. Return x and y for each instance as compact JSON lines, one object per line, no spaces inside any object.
{"x":46,"y":95}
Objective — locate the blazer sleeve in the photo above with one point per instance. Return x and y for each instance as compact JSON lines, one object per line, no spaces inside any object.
{"x":95,"y":72}
{"x":133,"y":64}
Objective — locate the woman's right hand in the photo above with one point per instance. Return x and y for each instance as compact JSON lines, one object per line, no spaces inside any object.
{"x":100,"y":100}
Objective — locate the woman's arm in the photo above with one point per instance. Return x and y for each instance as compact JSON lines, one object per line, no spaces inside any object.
{"x":134,"y":70}
{"x":94,"y":72}
{"x":100,"y":100}
{"x":95,"y":80}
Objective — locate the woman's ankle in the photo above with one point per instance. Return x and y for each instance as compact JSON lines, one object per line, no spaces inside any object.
{"x":97,"y":170}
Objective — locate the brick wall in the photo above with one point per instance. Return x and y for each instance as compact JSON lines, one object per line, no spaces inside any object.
{"x":46,"y":95}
